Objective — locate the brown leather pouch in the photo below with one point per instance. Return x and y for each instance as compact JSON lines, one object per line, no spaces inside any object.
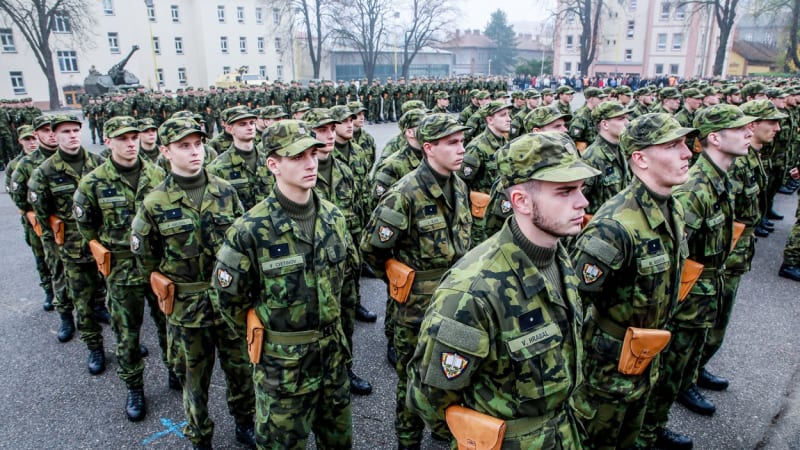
{"x":691,"y":272}
{"x":164,"y":288}
{"x":478,"y":202}
{"x":738,"y":229}
{"x":31,"y":216}
{"x":586,"y":219}
{"x":474,"y":430}
{"x":697,"y":148}
{"x":57,"y":225}
{"x":102,"y":256}
{"x":639,"y":347}
{"x":581,"y":146}
{"x":255,"y":336}
{"x":401,"y":278}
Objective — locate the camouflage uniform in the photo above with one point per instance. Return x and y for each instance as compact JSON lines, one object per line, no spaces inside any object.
{"x":479,"y":169}
{"x":583,"y":127}
{"x":172,"y":235}
{"x":608,"y":159}
{"x":294,"y":281}
{"x":105,"y":204}
{"x":419,"y":226}
{"x":629,"y":259}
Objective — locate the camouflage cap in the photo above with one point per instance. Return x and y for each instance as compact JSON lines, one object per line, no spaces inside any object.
{"x":541,"y":156}
{"x":119,"y":125}
{"x":642,"y":91}
{"x":651,"y":129}
{"x":175,"y":129}
{"x":440,"y":95}
{"x":146,"y":124}
{"x":720,"y":117}
{"x":411,"y":118}
{"x":40,"y":121}
{"x":754,"y":88}
{"x":708,"y":91}
{"x":564,"y":89}
{"x":624,"y":90}
{"x":25,"y":131}
{"x":237,"y":113}
{"x":669,"y":92}
{"x":693,"y":93}
{"x":542,"y":116}
{"x":474,"y":92}
{"x":762,"y":110}
{"x":341,"y":113}
{"x":58,"y":119}
{"x":272,"y":112}
{"x":591,"y":92}
{"x":532,"y":93}
{"x":494,"y":107}
{"x":412,"y":104}
{"x":608,"y":110}
{"x":356,"y":107}
{"x":318,"y":117}
{"x":776,"y":93}
{"x":517,"y":95}
{"x":436,"y":126}
{"x":299,"y":107}
{"x":482,"y":95}
{"x":289,"y":138}
{"x":731,"y":90}
{"x":547,"y":91}
{"x":184,"y":114}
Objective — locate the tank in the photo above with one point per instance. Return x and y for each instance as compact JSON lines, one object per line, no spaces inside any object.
{"x":116,"y":79}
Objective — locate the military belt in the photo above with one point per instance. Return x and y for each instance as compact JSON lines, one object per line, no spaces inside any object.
{"x":713,"y":272}
{"x":429,"y":275}
{"x":525,"y":425}
{"x":191,"y":288}
{"x":299,"y":337}
{"x":607,"y":325}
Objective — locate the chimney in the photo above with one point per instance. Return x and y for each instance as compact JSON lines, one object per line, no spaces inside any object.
{"x":467,"y":32}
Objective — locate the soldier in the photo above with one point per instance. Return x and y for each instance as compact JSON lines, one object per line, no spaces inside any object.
{"x":242,"y":164}
{"x":477,"y":121}
{"x":545,"y":118}
{"x":442,"y":102}
{"x":532,"y":98}
{"x":27,"y":140}
{"x":565,"y":95}
{"x":177,"y":231}
{"x":422,"y":222}
{"x":298,"y":109}
{"x":105,"y":204}
{"x":582,"y":128}
{"x":643,"y":101}
{"x":50,"y":191}
{"x":286,"y":259}
{"x":610,"y":119}
{"x":271,"y":114}
{"x":710,"y":97}
{"x":548,"y":96}
{"x":641,"y":227}
{"x":92,"y":113}
{"x":360,"y":135}
{"x":223,"y":140}
{"x":470,"y":109}
{"x":148,"y":137}
{"x":670,"y":101}
{"x":692,"y":102}
{"x":502,"y":335}
{"x":624,"y":95}
{"x":479,"y":169}
{"x":398,"y":141}
{"x":388,"y":101}
{"x":351,"y":153}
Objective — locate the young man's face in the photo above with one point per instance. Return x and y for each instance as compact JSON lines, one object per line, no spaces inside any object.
{"x":616,"y":125}
{"x":242,"y":130}
{"x":500,"y":121}
{"x":443,"y":102}
{"x":186,"y":155}
{"x":344,"y":130}
{"x":668,"y":163}
{"x":532,"y":102}
{"x":295,"y":173}
{"x":559,"y":125}
{"x":46,"y":137}
{"x":557,"y":208}
{"x":735,"y":141}
{"x":29,"y":144}
{"x":358,"y":120}
{"x":446,"y":155}
{"x":68,"y":137}
{"x":327,"y":135}
{"x":764,"y":131}
{"x":124,"y":148}
{"x":148,"y":137}
{"x":671,"y":104}
{"x":548,"y":98}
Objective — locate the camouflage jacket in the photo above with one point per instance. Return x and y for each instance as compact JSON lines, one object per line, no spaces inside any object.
{"x":22,"y":173}
{"x":476,"y":124}
{"x":50,"y":191}
{"x":614,"y":173}
{"x":104,"y":208}
{"x":466,"y":113}
{"x":498,"y":210}
{"x":393,"y":169}
{"x":208,"y":158}
{"x":251,"y":186}
{"x":415,"y":224}
{"x":581,"y":128}
{"x":686,"y":119}
{"x":498,"y":338}
{"x":220,"y":142}
{"x":10,"y":168}
{"x":518,"y":123}
{"x":352,"y":155}
{"x":638,"y":109}
{"x":393,"y":145}
{"x":747,"y":178}
{"x":479,"y":168}
{"x":629,"y":260}
{"x":706,"y":198}
{"x":367,"y":143}
{"x":294,"y":282}
{"x":341,"y":191}
{"x":172,"y":236}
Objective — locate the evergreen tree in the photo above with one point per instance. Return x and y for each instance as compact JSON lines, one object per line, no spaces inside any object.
{"x":505,"y":39}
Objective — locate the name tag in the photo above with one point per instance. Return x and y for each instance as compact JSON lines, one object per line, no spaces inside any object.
{"x":63,"y":187}
{"x":432,"y":221}
{"x":294,"y":260}
{"x":165,"y":226}
{"x":646,"y":263}
{"x":716,"y":220}
{"x":534,"y":337}
{"x":115,"y":199}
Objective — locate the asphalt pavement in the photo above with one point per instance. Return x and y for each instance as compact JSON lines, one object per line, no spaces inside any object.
{"x":49,"y":400}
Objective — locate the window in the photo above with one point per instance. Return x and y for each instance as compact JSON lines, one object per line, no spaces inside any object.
{"x":673,"y":69}
{"x":665,"y":7}
{"x":156,"y":45}
{"x":160,"y":75}
{"x":223,"y":44}
{"x":278,"y":44}
{"x":628,"y":54}
{"x":569,"y":42}
{"x":182,"y":75}
{"x":680,"y":11}
{"x":17,"y":83}
{"x":276,"y":16}
{"x":176,"y":17}
{"x":262,"y":70}
{"x":226,"y":69}
{"x":221,"y":13}
{"x":661,"y":41}
{"x":259,"y":14}
{"x":108,"y":7}
{"x":633,"y":5}
{"x":631,"y":26}
{"x":242,"y":44}
{"x":67,"y":60}
{"x":570,"y":18}
{"x":240,"y":14}
{"x":279,"y":71}
{"x":178,"y":45}
{"x":260,"y":43}
{"x":567,"y":68}
{"x":151,"y":13}
{"x":7,"y":39}
{"x":113,"y":42}
{"x":659,"y":69}
{"x":677,"y":41}
{"x":62,"y":24}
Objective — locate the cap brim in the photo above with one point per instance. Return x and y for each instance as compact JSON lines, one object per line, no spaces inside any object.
{"x":299,"y":146}
{"x":676,"y":134}
{"x":185,"y":133}
{"x":576,"y":171}
{"x":241,"y":117}
{"x":122,"y":131}
{"x":448,"y":132}
{"x":24,"y":135}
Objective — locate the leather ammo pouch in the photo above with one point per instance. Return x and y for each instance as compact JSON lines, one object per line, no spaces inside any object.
{"x":478,"y":202}
{"x":255,"y":336}
{"x":102,"y":256}
{"x":401,"y":278}
{"x":738,"y":229}
{"x":474,"y":430}
{"x":57,"y":225}
{"x":164,"y":288}
{"x":639,"y":347}
{"x":689,"y":276}
{"x":581,"y":146}
{"x":586,"y":219}
{"x":31,"y":216}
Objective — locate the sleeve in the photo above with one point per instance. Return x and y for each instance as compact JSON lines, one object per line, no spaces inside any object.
{"x":145,"y":242}
{"x":233,"y":278}
{"x":599,"y":252}
{"x":389,"y":221}
{"x":693,"y":215}
{"x":40,"y":200}
{"x":19,"y":188}
{"x":84,"y":208}
{"x":471,"y":165}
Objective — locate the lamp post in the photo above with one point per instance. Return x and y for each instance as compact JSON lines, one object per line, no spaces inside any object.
{"x":489,"y":71}
{"x":149,"y":4}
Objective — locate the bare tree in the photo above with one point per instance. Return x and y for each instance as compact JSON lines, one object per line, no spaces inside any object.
{"x":429,"y":19}
{"x":587,"y":12}
{"x":724,"y":12}
{"x":782,"y":12}
{"x":361,"y":24}
{"x":313,"y":17}
{"x":36,"y":20}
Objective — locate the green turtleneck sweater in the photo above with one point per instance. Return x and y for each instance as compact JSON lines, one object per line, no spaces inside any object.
{"x":195,"y":186}
{"x":250,"y":157}
{"x":131,"y":174}
{"x":304,"y":214}
{"x":543,"y":258}
{"x":75,"y":161}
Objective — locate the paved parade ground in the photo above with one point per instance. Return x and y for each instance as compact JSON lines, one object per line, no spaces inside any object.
{"x":49,"y":400}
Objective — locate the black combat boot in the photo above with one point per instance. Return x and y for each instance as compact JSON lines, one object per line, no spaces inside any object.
{"x":246,"y":433}
{"x":365,"y":315}
{"x":143,"y":351}
{"x":693,"y":400}
{"x":135,"y":407}
{"x":48,"y":300}
{"x":97,"y":361}
{"x":101,"y":313}
{"x":707,"y":380}
{"x":67,"y":329}
{"x":358,"y":385}
{"x":670,"y":440}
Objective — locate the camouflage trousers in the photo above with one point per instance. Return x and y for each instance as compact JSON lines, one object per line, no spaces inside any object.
{"x":58,"y":279}
{"x":126,"y":304}
{"x":775,"y":178}
{"x":373,"y":110}
{"x":559,"y":433}
{"x":192,"y":353}
{"x":8,"y":148}
{"x":83,"y":285}
{"x":606,"y":423}
{"x":716,"y":334}
{"x":791,"y":253}
{"x":350,"y":298}
{"x":297,"y":396}
{"x":408,"y":425}
{"x":679,"y":364}
{"x":388,"y":109}
{"x":95,"y":132}
{"x":35,"y":243}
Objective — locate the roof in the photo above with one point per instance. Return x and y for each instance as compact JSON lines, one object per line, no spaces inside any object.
{"x":467,"y":39}
{"x":755,"y":52}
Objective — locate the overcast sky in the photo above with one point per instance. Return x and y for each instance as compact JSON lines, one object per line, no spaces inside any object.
{"x":476,"y":12}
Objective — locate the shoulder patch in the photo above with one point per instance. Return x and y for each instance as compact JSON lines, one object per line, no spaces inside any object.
{"x":600,"y":249}
{"x":591,"y":273}
{"x":391,"y":217}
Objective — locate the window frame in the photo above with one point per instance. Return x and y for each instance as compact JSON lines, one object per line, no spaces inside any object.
{"x":223,"y":45}
{"x":243,"y":44}
{"x":679,"y":46}
{"x":7,"y":40}
{"x":259,"y":15}
{"x":182,"y":76}
{"x":661,"y":47}
{"x":179,"y":50}
{"x":175,"y":13}
{"x":261,"y":44}
{"x":156,"y":45}
{"x":108,"y":7}
{"x":17,"y":82}
{"x":240,"y":14}
{"x":61,"y":23}
{"x":221,"y":13}
{"x":113,"y":42}
{"x":67,"y":61}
